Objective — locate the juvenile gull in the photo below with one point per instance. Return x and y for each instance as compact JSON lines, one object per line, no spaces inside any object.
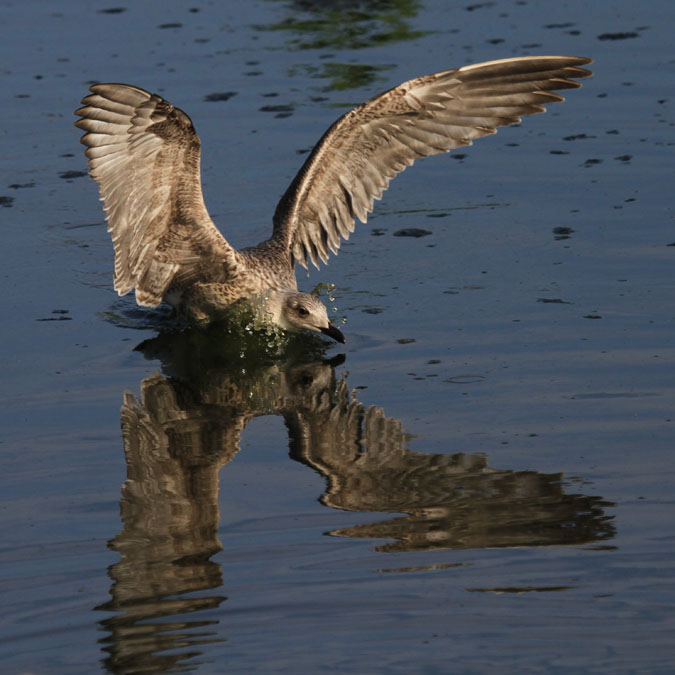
{"x":145,"y":155}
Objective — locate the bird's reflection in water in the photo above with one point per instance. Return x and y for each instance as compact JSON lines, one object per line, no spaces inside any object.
{"x":187,"y":426}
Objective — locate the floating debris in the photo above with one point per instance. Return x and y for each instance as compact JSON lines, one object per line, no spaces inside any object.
{"x":220,"y":96}
{"x":412,"y":232}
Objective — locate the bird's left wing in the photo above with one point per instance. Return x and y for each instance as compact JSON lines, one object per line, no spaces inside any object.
{"x":145,"y":155}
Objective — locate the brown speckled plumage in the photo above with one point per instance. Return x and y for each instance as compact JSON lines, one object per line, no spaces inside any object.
{"x":145,"y":155}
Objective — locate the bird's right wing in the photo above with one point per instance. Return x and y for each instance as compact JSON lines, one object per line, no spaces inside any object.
{"x":145,"y":155}
{"x":357,"y":157}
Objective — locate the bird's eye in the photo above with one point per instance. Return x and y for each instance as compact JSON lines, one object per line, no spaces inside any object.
{"x":302,"y":311}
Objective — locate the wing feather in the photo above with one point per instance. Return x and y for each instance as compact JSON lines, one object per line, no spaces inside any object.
{"x":357,"y":157}
{"x":145,"y":156}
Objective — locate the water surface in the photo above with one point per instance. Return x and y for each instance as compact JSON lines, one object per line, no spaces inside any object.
{"x":480,"y":479}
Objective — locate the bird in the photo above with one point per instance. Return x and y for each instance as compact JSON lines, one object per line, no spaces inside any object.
{"x":145,"y":155}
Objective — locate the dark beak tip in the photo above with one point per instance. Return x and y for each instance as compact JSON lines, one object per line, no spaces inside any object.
{"x":334,"y":333}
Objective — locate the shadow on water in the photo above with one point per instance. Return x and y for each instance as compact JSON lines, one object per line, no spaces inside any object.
{"x":187,"y":426}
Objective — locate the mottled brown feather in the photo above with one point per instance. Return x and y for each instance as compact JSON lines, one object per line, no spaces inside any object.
{"x":145,"y":155}
{"x":352,"y":164}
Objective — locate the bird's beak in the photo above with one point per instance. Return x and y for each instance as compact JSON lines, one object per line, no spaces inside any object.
{"x":335,"y":333}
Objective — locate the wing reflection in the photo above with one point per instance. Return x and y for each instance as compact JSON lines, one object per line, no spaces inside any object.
{"x":453,"y":501}
{"x":170,"y":519}
{"x":187,"y":426}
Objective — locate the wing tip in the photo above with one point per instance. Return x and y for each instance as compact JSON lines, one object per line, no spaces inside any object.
{"x":525,"y":63}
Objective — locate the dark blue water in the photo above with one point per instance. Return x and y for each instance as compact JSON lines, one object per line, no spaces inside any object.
{"x":481,"y":480}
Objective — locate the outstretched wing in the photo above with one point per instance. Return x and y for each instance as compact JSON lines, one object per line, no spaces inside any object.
{"x":352,"y":164}
{"x":145,"y":154}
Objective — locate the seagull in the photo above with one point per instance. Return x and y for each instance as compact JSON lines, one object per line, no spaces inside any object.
{"x":145,"y":155}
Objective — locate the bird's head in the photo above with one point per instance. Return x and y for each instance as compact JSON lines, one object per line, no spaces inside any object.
{"x":302,"y":311}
